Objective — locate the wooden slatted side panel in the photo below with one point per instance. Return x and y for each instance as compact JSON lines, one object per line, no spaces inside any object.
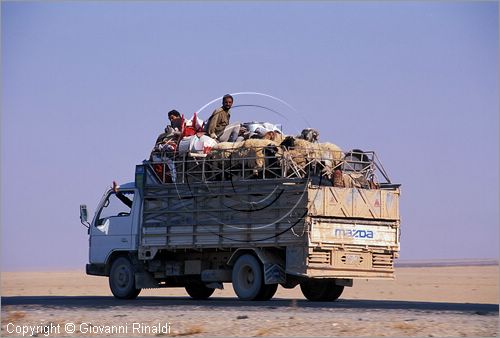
{"x":354,"y":203}
{"x":224,"y":214}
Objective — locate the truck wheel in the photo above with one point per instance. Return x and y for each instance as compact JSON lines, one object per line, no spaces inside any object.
{"x":198,"y":290}
{"x":267,"y":292}
{"x":321,"y":290}
{"x":314,"y":290}
{"x":334,"y":292}
{"x":122,"y":279}
{"x":248,"y":281}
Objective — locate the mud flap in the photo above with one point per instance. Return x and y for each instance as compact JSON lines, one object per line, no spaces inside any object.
{"x":274,"y":273}
{"x":144,"y":280}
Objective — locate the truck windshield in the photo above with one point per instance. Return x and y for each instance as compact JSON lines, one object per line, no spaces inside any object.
{"x":116,"y":205}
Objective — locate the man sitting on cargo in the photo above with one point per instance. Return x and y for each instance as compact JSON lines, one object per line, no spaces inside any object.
{"x":175,"y":119}
{"x":168,"y":139}
{"x":218,"y":126}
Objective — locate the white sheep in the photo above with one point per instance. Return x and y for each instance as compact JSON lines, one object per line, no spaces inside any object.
{"x":302,"y":153}
{"x":253,"y":153}
{"x":224,"y":149}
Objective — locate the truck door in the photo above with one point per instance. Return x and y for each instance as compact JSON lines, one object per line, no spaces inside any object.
{"x":112,"y":227}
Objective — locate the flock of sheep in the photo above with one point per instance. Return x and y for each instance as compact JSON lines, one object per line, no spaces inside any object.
{"x":284,"y":156}
{"x":298,"y":151}
{"x":269,"y":154}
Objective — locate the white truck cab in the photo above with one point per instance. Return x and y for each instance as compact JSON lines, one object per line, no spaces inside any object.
{"x":115,"y":224}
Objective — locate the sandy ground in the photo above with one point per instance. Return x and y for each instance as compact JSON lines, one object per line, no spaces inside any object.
{"x":473,"y":284}
{"x":421,"y":301}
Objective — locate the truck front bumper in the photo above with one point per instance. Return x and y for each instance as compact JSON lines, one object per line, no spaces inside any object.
{"x":95,"y":269}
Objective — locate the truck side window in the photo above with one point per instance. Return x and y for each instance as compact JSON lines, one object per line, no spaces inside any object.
{"x":116,"y":205}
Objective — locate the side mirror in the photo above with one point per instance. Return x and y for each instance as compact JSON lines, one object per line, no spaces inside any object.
{"x":84,"y":215}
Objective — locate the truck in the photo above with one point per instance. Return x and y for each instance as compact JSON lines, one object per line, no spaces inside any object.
{"x":272,"y":217}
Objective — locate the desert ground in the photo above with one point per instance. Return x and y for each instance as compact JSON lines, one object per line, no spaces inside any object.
{"x":433,"y":301}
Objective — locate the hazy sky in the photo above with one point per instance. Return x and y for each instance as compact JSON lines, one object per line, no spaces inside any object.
{"x":86,"y":87}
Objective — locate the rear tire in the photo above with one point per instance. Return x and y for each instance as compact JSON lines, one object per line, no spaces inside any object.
{"x":122,"y":279}
{"x":198,"y":290}
{"x":247,"y":276}
{"x":321,"y":290}
{"x":267,"y":292}
{"x":334,"y":292}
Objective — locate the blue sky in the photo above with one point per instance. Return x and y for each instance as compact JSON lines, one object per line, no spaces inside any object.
{"x":86,"y":87}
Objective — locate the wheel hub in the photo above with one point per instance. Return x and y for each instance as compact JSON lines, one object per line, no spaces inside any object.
{"x":123,"y":277}
{"x":248,"y":276}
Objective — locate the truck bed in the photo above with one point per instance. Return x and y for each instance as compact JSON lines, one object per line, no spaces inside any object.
{"x":265,"y":213}
{"x":205,"y":204}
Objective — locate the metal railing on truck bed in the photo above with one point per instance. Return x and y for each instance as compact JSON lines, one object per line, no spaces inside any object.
{"x":324,"y":167}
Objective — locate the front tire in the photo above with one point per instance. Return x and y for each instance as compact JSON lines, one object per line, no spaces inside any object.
{"x":248,"y":281}
{"x":122,"y":279}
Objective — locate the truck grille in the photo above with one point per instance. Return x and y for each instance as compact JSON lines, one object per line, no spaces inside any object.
{"x":352,"y":258}
{"x":320,"y":257}
{"x":383,"y":261}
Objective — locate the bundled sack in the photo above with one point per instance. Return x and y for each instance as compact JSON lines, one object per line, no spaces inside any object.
{"x":259,"y":129}
{"x":196,"y":144}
